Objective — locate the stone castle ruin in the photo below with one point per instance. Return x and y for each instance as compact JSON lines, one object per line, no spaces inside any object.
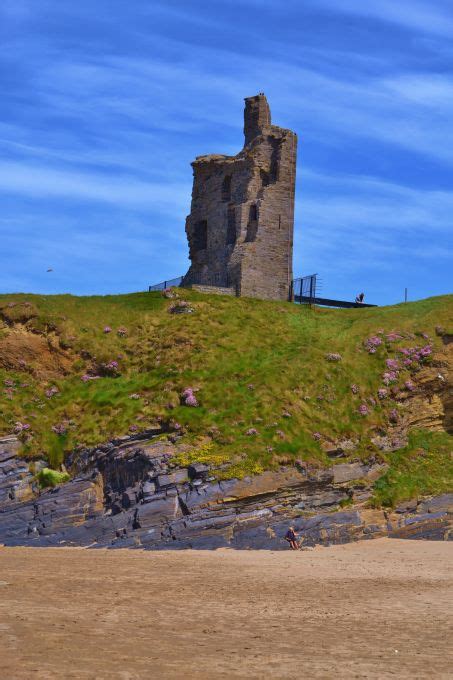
{"x":240,"y":227}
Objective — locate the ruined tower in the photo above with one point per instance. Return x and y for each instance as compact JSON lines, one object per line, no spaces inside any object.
{"x":240,"y":227}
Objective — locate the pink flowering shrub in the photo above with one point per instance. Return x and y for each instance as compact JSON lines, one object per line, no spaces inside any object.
{"x":392,"y":364}
{"x":60,"y":428}
{"x":416,"y":355}
{"x":393,"y":416}
{"x":333,"y":356}
{"x":21,"y":427}
{"x":355,"y":389}
{"x":389,"y":377}
{"x":372,"y":343}
{"x":110,"y":368}
{"x":382,"y":393}
{"x":363,"y":410}
{"x":409,"y":385}
{"x":107,"y":329}
{"x":189,"y":399}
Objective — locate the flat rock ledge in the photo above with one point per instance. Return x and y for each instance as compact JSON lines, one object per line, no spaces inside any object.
{"x":129,"y":493}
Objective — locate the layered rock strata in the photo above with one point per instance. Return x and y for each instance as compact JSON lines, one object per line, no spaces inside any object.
{"x":131,"y":494}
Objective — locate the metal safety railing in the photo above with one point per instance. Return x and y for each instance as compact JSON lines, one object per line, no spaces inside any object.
{"x":170,"y":283}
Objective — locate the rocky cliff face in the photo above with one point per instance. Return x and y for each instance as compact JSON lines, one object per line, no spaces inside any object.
{"x":130,"y":493}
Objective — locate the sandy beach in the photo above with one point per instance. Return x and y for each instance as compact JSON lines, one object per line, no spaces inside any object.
{"x":374,"y":609}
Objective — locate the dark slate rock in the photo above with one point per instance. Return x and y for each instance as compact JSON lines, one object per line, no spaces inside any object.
{"x":179,"y":477}
{"x":198,"y":470}
{"x":438,"y":504}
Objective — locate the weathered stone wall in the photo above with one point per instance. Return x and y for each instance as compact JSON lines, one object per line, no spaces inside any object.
{"x":214,"y":290}
{"x":240,"y":228}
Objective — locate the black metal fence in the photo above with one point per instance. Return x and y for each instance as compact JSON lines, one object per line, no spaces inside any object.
{"x":209,"y":279}
{"x":170,"y":283}
{"x":304,"y":289}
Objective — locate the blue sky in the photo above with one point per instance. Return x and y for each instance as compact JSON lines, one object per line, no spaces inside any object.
{"x":105,"y":103}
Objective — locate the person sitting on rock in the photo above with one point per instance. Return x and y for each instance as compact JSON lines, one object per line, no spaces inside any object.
{"x":291,"y":537}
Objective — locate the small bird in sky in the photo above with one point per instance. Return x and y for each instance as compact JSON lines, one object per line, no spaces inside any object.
{"x":50,"y":270}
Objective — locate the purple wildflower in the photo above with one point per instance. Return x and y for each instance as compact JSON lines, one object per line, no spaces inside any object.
{"x":52,"y":391}
{"x":409,"y":385}
{"x":392,"y":364}
{"x":392,"y":337}
{"x":382,"y":393}
{"x":393,"y":416}
{"x":355,"y":389}
{"x":122,"y":332}
{"x":107,"y":329}
{"x":372,"y":343}
{"x":363,"y":410}
{"x":60,"y":428}
{"x":21,"y":427}
{"x":316,"y":436}
{"x":189,"y":398}
{"x":333,"y":356}
{"x":133,"y":428}
{"x":389,"y":377}
{"x":251,"y":431}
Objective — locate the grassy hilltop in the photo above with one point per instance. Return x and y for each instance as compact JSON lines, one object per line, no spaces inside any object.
{"x":274,"y":382}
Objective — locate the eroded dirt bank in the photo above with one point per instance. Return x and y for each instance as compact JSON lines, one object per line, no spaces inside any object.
{"x":375,"y":609}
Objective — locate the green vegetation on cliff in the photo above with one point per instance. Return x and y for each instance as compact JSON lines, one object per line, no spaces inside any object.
{"x":274,"y":382}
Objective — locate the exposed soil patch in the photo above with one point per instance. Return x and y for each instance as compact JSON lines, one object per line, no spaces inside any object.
{"x":21,"y":350}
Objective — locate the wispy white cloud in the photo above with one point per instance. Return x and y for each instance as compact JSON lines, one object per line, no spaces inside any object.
{"x":121,"y":191}
{"x":424,"y":16}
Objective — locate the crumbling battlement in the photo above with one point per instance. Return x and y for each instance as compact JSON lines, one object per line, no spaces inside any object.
{"x":240,"y":228}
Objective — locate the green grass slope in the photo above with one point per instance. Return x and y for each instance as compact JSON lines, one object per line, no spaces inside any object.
{"x":267,"y":390}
